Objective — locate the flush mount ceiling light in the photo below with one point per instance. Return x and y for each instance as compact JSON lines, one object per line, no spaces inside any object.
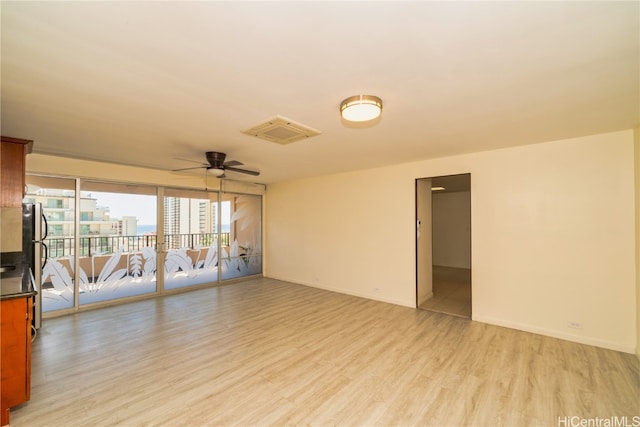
{"x":361,"y":108}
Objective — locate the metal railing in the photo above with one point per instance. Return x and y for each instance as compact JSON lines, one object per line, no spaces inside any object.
{"x":93,"y":245}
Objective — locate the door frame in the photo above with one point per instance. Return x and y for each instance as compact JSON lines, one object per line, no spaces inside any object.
{"x":424,"y":251}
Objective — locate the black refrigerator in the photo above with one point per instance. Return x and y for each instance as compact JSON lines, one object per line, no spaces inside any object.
{"x":34,"y":251}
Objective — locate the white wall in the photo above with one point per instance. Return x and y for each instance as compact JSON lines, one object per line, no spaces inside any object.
{"x":344,"y":233}
{"x":552,"y":235}
{"x":452,"y":229}
{"x":636,"y":135}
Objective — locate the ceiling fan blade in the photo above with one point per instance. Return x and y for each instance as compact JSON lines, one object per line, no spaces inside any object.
{"x":191,"y":161}
{"x":248,"y":172}
{"x":186,"y":169}
{"x":232,"y":163}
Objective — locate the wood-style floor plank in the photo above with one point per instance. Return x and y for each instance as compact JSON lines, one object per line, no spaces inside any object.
{"x":266,"y":352}
{"x":451,"y":291}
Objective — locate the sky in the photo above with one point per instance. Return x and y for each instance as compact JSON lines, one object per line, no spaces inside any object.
{"x":141,"y":206}
{"x":138,"y":205}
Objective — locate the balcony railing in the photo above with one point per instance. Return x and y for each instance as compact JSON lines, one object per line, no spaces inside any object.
{"x":93,"y":245}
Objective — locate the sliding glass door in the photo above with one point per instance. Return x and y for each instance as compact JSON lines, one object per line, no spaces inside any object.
{"x":103,"y":239}
{"x":118,"y":236}
{"x":241,"y":218}
{"x":191,"y":238}
{"x":57,"y":196}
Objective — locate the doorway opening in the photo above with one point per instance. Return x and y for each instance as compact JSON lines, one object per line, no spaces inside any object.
{"x":443,"y":244}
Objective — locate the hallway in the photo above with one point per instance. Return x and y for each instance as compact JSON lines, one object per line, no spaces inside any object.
{"x":451,"y":292}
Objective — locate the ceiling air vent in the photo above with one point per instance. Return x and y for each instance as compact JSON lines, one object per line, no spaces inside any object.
{"x":281,"y":130}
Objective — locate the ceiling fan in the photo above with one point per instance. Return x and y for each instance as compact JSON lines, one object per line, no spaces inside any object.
{"x":216,"y":165}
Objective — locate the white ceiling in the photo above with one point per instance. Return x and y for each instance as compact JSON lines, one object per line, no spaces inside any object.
{"x":146,"y":83}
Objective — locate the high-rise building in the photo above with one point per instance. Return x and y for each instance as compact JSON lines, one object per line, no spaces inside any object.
{"x":185,"y":217}
{"x":128,"y":226}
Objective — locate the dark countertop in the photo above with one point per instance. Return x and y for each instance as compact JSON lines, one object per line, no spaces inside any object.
{"x":17,"y":287}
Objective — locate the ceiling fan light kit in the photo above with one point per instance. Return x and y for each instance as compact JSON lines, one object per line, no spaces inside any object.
{"x":361,"y":108}
{"x":215,"y":172}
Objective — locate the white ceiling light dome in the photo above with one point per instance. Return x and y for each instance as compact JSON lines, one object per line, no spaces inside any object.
{"x":215,"y":171}
{"x":361,"y":108}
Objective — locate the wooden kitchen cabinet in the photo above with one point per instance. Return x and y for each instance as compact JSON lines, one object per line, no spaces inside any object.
{"x":16,"y":297}
{"x":12,"y":170}
{"x":15,"y":353}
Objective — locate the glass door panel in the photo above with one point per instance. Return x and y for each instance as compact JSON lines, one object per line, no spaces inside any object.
{"x":241,"y":247}
{"x":191,"y":238}
{"x":118,"y":236}
{"x":56,"y":196}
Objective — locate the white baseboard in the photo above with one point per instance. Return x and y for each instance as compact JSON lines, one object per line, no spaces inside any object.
{"x":555,"y":334}
{"x":375,"y":297}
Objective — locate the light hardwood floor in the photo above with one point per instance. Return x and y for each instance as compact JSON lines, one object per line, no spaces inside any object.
{"x":266,"y":352}
{"x":451,"y":292}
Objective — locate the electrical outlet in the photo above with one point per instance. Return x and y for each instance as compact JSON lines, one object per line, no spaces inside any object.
{"x":575,"y":324}
{"x":376,"y":290}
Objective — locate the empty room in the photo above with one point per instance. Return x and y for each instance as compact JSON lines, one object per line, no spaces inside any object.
{"x":240,"y":213}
